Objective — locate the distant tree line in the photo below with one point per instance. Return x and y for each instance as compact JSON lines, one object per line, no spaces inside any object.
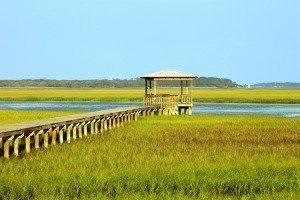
{"x":114,"y":83}
{"x":277,"y":85}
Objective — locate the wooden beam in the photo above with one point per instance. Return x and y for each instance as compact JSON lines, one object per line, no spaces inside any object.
{"x":6,"y":147}
{"x":97,"y":126}
{"x":85,"y":131}
{"x":173,"y":79}
{"x":146,"y":87}
{"x":106,"y":124}
{"x":69,"y":129}
{"x":109,"y":123}
{"x":17,"y":143}
{"x":181,"y":87}
{"x":102,"y":125}
{"x":46,"y":138}
{"x":37,"y":139}
{"x":80,"y":127}
{"x":154,"y":87}
{"x":75,"y":131}
{"x":93,"y":126}
{"x":54,"y":134}
{"x":28,"y":141}
{"x":186,"y":87}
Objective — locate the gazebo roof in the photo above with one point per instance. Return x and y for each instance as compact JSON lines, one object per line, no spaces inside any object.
{"x":169,"y":73}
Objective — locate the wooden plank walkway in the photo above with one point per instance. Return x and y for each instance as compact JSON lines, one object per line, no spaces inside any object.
{"x":79,"y":125}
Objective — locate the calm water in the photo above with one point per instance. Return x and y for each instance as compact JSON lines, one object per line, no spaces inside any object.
{"x":199,"y":108}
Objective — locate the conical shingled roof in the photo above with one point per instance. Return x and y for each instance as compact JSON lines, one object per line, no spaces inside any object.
{"x":169,"y":73}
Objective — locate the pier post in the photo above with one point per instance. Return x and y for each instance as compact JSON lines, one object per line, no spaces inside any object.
{"x":102,"y":125}
{"x":109,"y":123}
{"x":27,"y":142}
{"x":189,"y":111}
{"x":121,"y":120}
{"x":114,"y":123}
{"x":93,"y":127}
{"x":54,"y":134}
{"x":118,"y":121}
{"x":61,"y":135}
{"x":152,"y":112}
{"x":148,"y":112}
{"x":105,"y":124}
{"x":132,"y":116}
{"x":75,"y":131}
{"x":17,"y":142}
{"x":135,"y":116}
{"x":128,"y":118}
{"x":97,"y":126}
{"x":46,"y":138}
{"x":37,"y":139}
{"x":85,"y":131}
{"x":6,"y":146}
{"x":125,"y":119}
{"x":69,"y":133}
{"x":80,"y":130}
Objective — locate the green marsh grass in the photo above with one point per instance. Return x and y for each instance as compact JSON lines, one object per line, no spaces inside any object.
{"x":15,"y":116}
{"x":234,"y":95}
{"x":166,"y":157}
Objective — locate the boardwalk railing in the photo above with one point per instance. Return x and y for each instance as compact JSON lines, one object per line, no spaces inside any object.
{"x":161,"y":100}
{"x":186,"y":99}
{"x":167,"y":100}
{"x":65,"y":129}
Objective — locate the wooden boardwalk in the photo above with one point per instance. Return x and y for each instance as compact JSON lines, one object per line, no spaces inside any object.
{"x":59,"y":129}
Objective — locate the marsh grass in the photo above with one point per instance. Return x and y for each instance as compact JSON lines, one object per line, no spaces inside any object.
{"x":289,"y":96}
{"x":166,"y":157}
{"x":15,"y":116}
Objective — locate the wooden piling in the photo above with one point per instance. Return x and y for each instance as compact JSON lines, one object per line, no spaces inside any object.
{"x":85,"y":131}
{"x":102,"y":125}
{"x":17,"y":143}
{"x":106,"y":124}
{"x":93,"y":127}
{"x":128,"y":118}
{"x":46,"y":138}
{"x":136,"y":116}
{"x":61,"y":135}
{"x":80,"y":130}
{"x":6,"y":146}
{"x":109,"y":123}
{"x":122,"y":120}
{"x":37,"y":139}
{"x":69,"y":129}
{"x":114,"y":122}
{"x":97,"y":126}
{"x":118,"y":121}
{"x":28,"y":142}
{"x":75,"y":131}
{"x":54,"y":134}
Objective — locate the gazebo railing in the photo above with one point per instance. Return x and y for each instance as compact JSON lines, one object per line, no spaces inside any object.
{"x":186,"y":99}
{"x":167,"y":100}
{"x":162,"y":100}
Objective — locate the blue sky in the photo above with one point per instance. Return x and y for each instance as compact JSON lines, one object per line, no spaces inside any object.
{"x":248,"y":41}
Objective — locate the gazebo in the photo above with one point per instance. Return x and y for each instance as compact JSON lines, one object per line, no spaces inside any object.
{"x":173,"y":104}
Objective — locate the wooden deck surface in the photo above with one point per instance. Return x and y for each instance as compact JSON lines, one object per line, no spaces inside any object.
{"x":16,"y":129}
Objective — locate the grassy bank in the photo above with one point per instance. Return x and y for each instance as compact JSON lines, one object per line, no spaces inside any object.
{"x":166,"y":157}
{"x":290,"y":96}
{"x":15,"y":116}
